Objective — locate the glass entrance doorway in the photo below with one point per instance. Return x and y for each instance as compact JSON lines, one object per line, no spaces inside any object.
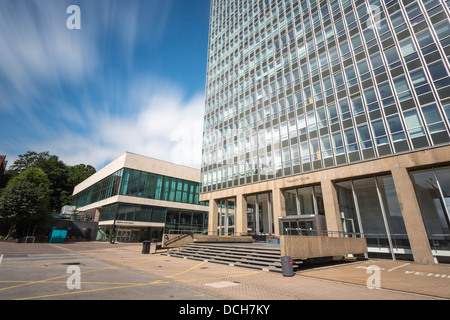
{"x":226,"y":217}
{"x":303,"y":225}
{"x":260,"y":214}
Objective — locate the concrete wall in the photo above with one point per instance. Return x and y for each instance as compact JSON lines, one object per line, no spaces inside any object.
{"x":222,"y":239}
{"x":299,"y":247}
{"x":176,"y":240}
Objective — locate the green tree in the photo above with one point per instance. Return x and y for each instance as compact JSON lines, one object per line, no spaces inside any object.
{"x":28,"y":160}
{"x":79,"y":173}
{"x":21,"y":202}
{"x":75,"y":175}
{"x":25,"y":199}
{"x":63,"y":178}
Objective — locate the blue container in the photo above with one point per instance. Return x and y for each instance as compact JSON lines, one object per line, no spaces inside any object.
{"x":58,"y":236}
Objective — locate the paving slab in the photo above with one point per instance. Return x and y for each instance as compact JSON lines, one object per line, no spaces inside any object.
{"x":196,"y":280}
{"x":402,"y":276}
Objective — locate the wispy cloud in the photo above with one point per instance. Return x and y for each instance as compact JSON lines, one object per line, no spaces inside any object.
{"x":80,"y":95}
{"x":165,"y":126}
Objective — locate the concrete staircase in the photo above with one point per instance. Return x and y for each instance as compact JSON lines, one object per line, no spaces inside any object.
{"x":256,"y":256}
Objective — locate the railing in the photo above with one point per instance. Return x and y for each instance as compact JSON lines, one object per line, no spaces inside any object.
{"x":440,"y":241}
{"x":187,"y":231}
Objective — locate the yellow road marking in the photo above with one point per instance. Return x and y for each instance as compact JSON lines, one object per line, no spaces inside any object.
{"x":182,"y":272}
{"x":93,"y":290}
{"x":12,"y":267}
{"x":60,"y":282}
{"x":66,"y":275}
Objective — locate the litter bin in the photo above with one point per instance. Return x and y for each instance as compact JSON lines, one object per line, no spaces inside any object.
{"x":146,"y":247}
{"x":287,"y":267}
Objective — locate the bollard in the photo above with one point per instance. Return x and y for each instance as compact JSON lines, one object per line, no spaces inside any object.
{"x":287,"y":267}
{"x":146,"y":247}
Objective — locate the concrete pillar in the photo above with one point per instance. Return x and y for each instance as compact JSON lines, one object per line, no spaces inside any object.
{"x":97,"y":215}
{"x":213,"y":217}
{"x":417,"y":234}
{"x":279,"y":208}
{"x":240,"y":215}
{"x":331,"y":207}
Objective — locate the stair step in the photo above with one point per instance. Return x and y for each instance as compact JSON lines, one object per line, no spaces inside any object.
{"x":233,"y":253}
{"x":271,"y":267}
{"x":257,"y":257}
{"x":235,"y":248}
{"x":229,"y":258}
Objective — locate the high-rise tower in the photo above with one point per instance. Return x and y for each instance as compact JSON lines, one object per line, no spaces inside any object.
{"x":331,"y":108}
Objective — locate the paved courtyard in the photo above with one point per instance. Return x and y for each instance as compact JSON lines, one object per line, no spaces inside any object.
{"x":121,"y":272}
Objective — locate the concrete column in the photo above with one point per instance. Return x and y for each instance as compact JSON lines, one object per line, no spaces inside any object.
{"x":213,"y":217}
{"x":331,"y":206}
{"x":417,"y":234}
{"x":97,"y":215}
{"x":240,"y":215}
{"x":279,"y":208}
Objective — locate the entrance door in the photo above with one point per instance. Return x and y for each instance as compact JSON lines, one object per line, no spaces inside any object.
{"x":123,"y":235}
{"x":259,"y":214}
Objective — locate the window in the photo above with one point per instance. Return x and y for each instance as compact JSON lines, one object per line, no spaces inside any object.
{"x":437,"y":70}
{"x":357,"y":106}
{"x":371,"y":99}
{"x":344,"y":109}
{"x":350,"y":140}
{"x":364,"y":137}
{"x":413,"y":124}
{"x":396,"y":128}
{"x":407,"y":47}
{"x":338,"y":143}
{"x":379,"y":132}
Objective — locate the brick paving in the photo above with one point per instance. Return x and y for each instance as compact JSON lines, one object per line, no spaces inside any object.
{"x":400,"y":280}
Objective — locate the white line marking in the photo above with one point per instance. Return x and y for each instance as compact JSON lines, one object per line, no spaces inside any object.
{"x":403,"y":265}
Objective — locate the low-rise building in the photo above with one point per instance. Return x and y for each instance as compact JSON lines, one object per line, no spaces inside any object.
{"x":136,"y":198}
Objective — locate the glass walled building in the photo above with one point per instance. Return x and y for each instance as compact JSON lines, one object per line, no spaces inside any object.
{"x":332,"y":108}
{"x":137,"y":198}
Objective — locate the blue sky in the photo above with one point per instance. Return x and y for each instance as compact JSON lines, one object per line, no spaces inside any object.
{"x":131,"y":79}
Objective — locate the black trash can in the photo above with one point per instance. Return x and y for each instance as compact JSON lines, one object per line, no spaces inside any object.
{"x":146,"y":247}
{"x":287,"y":267}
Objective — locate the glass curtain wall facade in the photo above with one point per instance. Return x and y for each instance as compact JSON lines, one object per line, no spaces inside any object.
{"x":135,"y":183}
{"x":296,"y":86}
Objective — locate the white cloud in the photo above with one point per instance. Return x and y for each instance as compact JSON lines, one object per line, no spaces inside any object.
{"x":58,"y":84}
{"x":166,"y":127}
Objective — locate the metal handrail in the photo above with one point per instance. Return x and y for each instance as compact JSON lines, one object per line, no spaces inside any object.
{"x":185,"y":231}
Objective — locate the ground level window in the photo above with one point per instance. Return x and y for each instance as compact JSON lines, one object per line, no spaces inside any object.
{"x":369,"y":208}
{"x":432,"y":188}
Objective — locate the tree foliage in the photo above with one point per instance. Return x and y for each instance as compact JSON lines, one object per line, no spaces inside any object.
{"x":21,"y":201}
{"x":62,"y":178}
